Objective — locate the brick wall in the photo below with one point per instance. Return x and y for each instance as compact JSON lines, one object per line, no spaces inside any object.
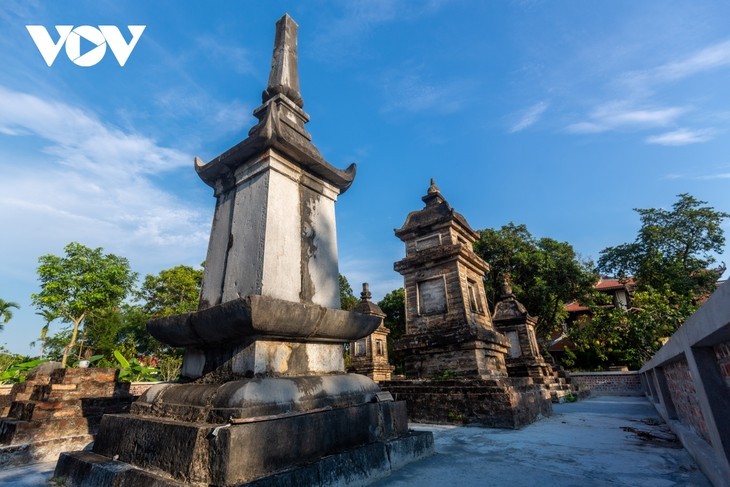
{"x":684,"y":396}
{"x":722,"y":352}
{"x":608,"y":383}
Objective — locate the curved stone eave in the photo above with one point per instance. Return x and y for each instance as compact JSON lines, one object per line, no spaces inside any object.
{"x":262,"y":317}
{"x":238,"y":155}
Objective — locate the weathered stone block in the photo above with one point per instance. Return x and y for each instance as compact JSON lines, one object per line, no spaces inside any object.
{"x":226,"y":454}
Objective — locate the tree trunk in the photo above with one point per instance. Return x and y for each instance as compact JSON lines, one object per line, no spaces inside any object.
{"x":81,"y":346}
{"x":71,"y":344}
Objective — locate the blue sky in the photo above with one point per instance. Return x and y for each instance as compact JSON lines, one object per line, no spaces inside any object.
{"x":563,"y":115}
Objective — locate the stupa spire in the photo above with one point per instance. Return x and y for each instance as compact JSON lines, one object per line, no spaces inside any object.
{"x":284,"y":75}
{"x":433,"y":194}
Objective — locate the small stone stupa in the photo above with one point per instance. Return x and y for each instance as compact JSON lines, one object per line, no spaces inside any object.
{"x":455,"y":359}
{"x":267,"y":398}
{"x":513,"y":320}
{"x":369,"y":355}
{"x":525,"y":360}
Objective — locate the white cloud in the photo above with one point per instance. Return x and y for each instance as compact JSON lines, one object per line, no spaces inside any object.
{"x":410,"y":90}
{"x":343,"y":34}
{"x":80,"y":140}
{"x":644,"y":89}
{"x":529,"y":117}
{"x":81,"y":179}
{"x":705,"y":59}
{"x":613,"y":116}
{"x":724,"y":175}
{"x":681,"y":137}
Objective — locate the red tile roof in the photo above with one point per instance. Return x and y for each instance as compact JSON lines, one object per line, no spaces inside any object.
{"x":607,"y":284}
{"x":575,"y":306}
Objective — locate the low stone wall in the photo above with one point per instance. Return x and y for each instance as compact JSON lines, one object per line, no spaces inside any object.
{"x":496,"y":403}
{"x":688,"y":380}
{"x":608,"y":383}
{"x":682,"y":389}
{"x":135,"y":388}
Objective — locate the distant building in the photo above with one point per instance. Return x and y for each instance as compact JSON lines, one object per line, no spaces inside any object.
{"x":620,"y":291}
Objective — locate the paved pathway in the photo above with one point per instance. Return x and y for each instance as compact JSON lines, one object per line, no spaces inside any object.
{"x":604,"y":441}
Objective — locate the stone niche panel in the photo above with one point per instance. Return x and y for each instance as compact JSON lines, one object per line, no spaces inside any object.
{"x":515,"y":348}
{"x":432,"y":296}
{"x":429,"y":241}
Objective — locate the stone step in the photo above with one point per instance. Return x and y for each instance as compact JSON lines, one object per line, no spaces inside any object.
{"x":77,"y":390}
{"x":13,"y":432}
{"x":78,"y":376}
{"x":66,"y":408}
{"x":42,"y":451}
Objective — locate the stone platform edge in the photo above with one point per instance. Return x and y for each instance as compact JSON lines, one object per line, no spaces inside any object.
{"x":359,"y":466}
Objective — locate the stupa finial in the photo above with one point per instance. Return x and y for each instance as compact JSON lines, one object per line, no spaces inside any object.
{"x":365,"y":295}
{"x":433,"y":194}
{"x":284,"y":75}
{"x":507,"y":285}
{"x":433,"y":188}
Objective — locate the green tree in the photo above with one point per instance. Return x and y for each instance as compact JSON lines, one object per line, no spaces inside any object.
{"x":674,"y":248}
{"x":394,"y":307}
{"x":48,"y":317}
{"x":545,"y":274}
{"x":614,"y":336}
{"x":670,"y":262}
{"x":173,"y":291}
{"x":83,"y":282}
{"x":134,"y":335}
{"x":6,"y":313}
{"x":348,"y":301}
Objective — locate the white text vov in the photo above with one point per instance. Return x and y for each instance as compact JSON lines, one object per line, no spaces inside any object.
{"x":71,"y":36}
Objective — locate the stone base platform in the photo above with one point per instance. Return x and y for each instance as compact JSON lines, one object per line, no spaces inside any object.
{"x":497,"y":403}
{"x":358,"y":466}
{"x":328,"y":446}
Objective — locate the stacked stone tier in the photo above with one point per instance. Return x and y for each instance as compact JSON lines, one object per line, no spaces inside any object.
{"x":58,"y":411}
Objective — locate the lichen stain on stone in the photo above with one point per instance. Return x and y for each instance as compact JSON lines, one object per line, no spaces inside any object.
{"x":310,"y":386}
{"x":308,"y":204}
{"x":279,"y":359}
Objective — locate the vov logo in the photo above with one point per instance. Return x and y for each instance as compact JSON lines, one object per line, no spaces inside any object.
{"x":70,"y":36}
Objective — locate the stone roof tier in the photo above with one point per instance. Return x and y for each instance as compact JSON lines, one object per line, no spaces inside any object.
{"x":436,"y":213}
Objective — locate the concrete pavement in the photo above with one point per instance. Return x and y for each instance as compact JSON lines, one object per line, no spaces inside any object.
{"x":604,"y":441}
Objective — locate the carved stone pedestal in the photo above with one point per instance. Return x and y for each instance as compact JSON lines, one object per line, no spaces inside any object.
{"x":242,"y":450}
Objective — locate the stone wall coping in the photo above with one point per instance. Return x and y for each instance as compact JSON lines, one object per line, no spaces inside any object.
{"x":706,"y":327}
